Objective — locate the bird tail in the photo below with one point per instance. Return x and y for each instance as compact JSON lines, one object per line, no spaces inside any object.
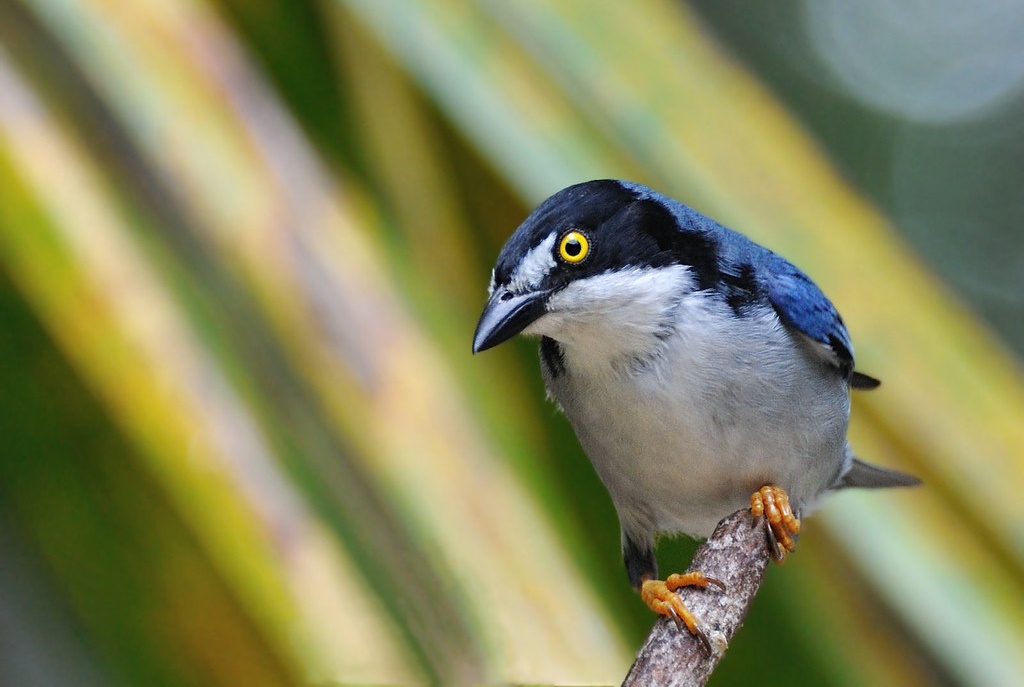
{"x":870,"y":476}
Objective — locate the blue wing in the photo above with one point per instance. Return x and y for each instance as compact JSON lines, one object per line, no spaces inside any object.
{"x":797,"y":300}
{"x":801,"y":305}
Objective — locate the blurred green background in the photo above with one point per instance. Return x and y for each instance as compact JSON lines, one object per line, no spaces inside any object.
{"x":243,"y":246}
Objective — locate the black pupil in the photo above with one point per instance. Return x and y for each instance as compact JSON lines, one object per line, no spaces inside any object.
{"x":573,"y":247}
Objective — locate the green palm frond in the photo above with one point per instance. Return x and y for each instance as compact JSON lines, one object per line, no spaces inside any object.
{"x":243,"y":247}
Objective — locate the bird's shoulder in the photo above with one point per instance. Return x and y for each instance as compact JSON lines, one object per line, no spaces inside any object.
{"x":750,"y":274}
{"x":799,"y":303}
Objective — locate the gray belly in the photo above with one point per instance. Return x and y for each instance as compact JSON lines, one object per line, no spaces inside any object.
{"x":680,"y":447}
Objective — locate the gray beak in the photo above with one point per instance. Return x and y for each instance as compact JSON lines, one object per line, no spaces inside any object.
{"x":505,"y":315}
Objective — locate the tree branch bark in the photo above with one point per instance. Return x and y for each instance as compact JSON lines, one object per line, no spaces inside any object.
{"x":738,"y":554}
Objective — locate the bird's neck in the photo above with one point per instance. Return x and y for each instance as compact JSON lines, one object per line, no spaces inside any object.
{"x":618,"y":320}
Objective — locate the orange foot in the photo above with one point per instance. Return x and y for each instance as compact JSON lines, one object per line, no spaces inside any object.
{"x":773,"y":503}
{"x":661,"y":597}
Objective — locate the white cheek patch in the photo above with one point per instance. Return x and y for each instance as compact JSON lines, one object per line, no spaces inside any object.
{"x":616,"y":313}
{"x":533,"y":267}
{"x":636,"y":295}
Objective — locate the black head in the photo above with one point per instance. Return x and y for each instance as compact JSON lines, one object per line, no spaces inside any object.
{"x":624,"y":227}
{"x":586,"y":230}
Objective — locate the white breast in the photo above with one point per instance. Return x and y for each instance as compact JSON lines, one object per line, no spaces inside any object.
{"x":685,"y":409}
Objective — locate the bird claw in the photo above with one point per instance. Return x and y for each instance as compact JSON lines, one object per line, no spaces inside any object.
{"x":772,"y":503}
{"x":661,"y":597}
{"x":698,"y":632}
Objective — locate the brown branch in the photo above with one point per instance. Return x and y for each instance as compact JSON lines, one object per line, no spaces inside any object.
{"x":737,"y":554}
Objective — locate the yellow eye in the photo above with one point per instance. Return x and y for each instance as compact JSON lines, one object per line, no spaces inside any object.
{"x":573,"y":247}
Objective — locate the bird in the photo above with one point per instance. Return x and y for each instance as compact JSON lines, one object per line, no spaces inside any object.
{"x":700,"y":371}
